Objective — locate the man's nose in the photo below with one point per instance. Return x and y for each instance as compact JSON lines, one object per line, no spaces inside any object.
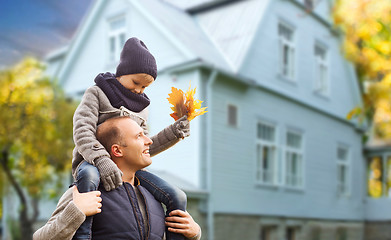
{"x":148,"y":141}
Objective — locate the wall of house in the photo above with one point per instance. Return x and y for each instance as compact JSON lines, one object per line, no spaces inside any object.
{"x":183,"y":159}
{"x":262,"y":62}
{"x":234,"y":157}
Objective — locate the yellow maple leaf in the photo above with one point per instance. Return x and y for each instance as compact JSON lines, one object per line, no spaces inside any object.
{"x":185,"y":104}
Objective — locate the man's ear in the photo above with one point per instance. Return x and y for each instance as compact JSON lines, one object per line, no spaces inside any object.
{"x":116,"y":150}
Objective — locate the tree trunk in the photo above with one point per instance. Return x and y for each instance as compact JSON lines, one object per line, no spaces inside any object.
{"x":26,"y":228}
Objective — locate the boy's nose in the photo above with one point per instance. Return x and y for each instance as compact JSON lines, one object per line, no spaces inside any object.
{"x":138,"y":91}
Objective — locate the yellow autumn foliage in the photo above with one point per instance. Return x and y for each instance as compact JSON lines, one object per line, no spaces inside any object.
{"x":36,"y":129}
{"x":185,"y":104}
{"x":367,"y":43}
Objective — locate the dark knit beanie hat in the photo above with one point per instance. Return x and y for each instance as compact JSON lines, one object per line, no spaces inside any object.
{"x":136,"y":58}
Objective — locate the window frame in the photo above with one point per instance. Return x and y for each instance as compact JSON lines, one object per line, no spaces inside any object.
{"x":300,"y":165}
{"x":270,"y":144}
{"x":268,"y":231}
{"x":113,"y":55}
{"x":344,"y":189}
{"x":309,"y":4}
{"x":287,"y":72}
{"x":322,"y":81}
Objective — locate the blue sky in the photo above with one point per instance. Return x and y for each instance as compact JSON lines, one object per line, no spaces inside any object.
{"x":36,"y":27}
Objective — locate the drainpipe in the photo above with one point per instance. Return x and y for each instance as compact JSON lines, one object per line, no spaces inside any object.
{"x":210,"y":210}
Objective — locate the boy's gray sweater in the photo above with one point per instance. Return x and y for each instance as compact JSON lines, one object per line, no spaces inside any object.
{"x":93,"y":110}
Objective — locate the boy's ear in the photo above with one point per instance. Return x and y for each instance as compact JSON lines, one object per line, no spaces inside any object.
{"x":116,"y":150}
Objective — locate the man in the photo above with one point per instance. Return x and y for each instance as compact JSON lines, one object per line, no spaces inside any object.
{"x":129,"y":212}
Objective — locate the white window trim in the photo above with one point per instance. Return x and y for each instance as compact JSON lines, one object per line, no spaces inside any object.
{"x":348,"y":166}
{"x":116,"y":34}
{"x":292,"y":57}
{"x":272,"y":144}
{"x":319,"y":83}
{"x":302,"y":163}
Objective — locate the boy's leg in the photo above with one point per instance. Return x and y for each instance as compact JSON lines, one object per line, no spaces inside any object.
{"x":169,"y":195}
{"x":87,"y":180}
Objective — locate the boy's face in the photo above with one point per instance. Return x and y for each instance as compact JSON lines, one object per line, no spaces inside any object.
{"x":136,"y":82}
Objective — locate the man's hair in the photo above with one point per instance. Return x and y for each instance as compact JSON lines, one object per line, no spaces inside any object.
{"x":108,"y":133}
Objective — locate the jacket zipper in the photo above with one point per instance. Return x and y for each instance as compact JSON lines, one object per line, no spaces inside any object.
{"x":147,"y":213}
{"x":134,"y":211}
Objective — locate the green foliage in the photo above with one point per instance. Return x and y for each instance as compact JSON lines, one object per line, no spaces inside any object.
{"x":36,"y":126}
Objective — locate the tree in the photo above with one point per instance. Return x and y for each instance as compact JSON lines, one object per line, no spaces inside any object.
{"x":367,"y":43}
{"x":35,"y":136}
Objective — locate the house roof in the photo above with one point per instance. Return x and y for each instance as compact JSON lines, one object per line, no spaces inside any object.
{"x":185,"y":28}
{"x":232,"y":27}
{"x":179,"y":24}
{"x":188,"y":4}
{"x":205,"y":35}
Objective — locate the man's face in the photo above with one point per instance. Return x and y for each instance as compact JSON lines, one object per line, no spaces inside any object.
{"x":135,"y":145}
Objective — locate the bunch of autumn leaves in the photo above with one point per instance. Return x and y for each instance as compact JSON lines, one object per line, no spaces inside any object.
{"x":185,"y":104}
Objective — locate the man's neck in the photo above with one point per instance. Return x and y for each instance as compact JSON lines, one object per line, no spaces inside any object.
{"x":128,"y":179}
{"x":128,"y":176}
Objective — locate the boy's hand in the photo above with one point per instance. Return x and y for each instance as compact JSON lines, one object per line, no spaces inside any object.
{"x":110,"y":175}
{"x":89,"y":203}
{"x":182,"y":127}
{"x":181,"y":222}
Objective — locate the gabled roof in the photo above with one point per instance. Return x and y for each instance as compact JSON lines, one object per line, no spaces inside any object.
{"x":232,"y":27}
{"x":185,"y":28}
{"x":187,"y":4}
{"x":178,"y":25}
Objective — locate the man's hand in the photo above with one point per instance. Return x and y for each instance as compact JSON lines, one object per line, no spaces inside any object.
{"x":182,"y":127}
{"x":89,"y":203}
{"x":181,"y":222}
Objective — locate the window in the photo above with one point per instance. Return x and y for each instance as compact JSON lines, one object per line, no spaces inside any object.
{"x":342,"y":234}
{"x":292,"y":233}
{"x":315,"y":233}
{"x":343,"y":170}
{"x":294,"y":159}
{"x":269,"y":233}
{"x":309,"y":4}
{"x":117,"y":37}
{"x":232,"y":115}
{"x":321,"y":78}
{"x":266,"y":154}
{"x":287,"y":51}
{"x":375,"y":177}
